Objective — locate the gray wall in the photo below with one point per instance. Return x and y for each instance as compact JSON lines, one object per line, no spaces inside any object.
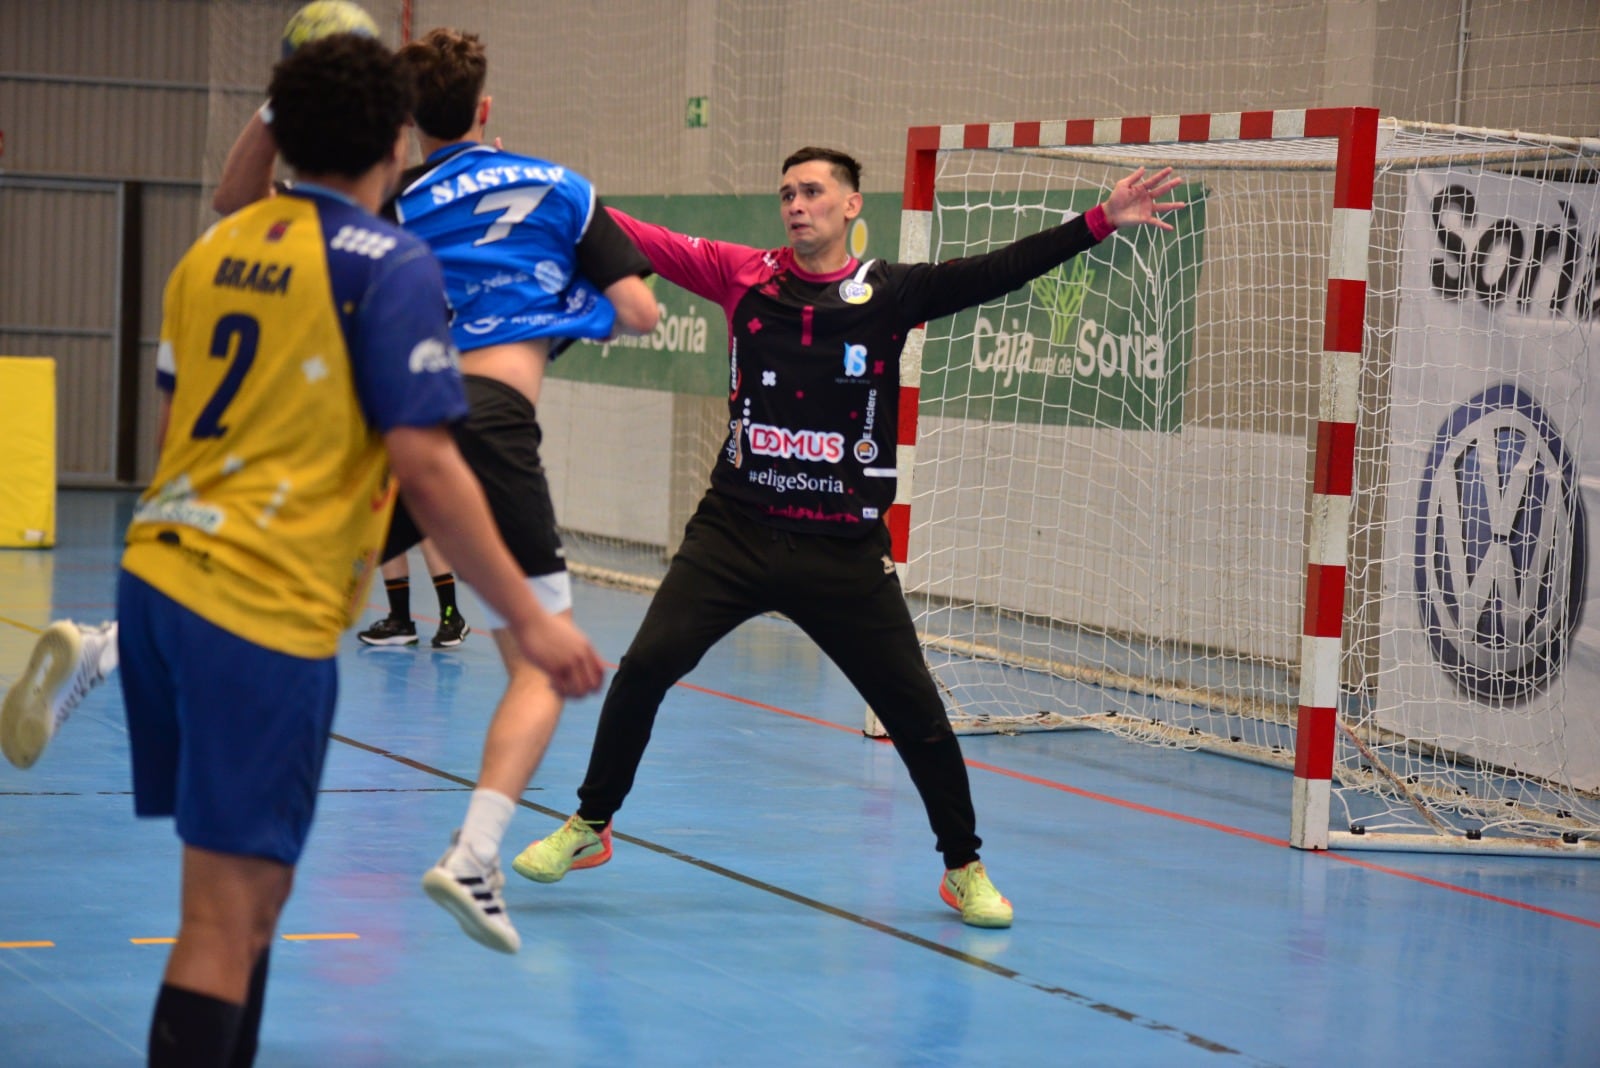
{"x":153,"y":91}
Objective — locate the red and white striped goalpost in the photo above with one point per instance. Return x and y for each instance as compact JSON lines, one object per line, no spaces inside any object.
{"x":1344,"y":327}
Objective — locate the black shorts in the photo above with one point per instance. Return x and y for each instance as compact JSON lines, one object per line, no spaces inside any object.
{"x":500,"y":439}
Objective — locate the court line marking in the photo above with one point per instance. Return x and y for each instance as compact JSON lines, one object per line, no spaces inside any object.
{"x":1329,"y":855}
{"x":1080,"y":1000}
{"x":46,"y":986}
{"x":29,"y":627}
{"x":168,"y":940}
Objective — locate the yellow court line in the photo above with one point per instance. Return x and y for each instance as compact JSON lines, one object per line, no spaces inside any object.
{"x":335,"y":936}
{"x":319,"y":937}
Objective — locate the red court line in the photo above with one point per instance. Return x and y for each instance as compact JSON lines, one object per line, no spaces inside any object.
{"x":1148,"y":810}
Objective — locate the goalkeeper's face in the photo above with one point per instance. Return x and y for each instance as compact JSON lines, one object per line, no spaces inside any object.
{"x":817,"y":208}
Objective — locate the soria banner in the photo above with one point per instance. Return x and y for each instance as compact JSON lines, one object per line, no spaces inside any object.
{"x":1491,"y":633}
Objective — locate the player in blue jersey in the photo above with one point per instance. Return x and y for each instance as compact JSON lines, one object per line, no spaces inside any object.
{"x":530,"y":259}
{"x":304,"y":356}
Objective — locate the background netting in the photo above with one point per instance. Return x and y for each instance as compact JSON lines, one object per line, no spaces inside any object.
{"x":1061,"y":566}
{"x":1114,"y":534}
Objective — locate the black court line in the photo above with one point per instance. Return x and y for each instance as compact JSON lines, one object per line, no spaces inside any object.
{"x":348,"y":790}
{"x":1074,"y":997}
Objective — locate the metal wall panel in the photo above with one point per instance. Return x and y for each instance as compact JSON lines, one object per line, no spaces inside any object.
{"x":58,"y":251}
{"x":58,"y":248}
{"x":84,"y":396}
{"x":103,"y":131}
{"x":107,"y":39}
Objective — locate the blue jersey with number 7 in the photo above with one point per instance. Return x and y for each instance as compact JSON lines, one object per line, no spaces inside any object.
{"x":506,"y":229}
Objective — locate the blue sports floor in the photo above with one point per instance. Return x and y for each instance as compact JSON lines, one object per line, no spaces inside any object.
{"x":773,"y":900}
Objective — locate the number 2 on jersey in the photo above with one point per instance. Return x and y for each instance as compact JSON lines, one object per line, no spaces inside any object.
{"x":518,"y":205}
{"x":247,"y":330}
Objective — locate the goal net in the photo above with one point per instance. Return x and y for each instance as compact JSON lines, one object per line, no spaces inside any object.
{"x":1301,"y":482}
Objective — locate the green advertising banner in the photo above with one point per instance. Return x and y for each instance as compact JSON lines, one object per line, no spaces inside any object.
{"x":1102,"y":340}
{"x":688,"y":351}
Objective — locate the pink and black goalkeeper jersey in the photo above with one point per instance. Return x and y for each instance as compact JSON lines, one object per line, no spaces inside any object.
{"x":814,"y":361}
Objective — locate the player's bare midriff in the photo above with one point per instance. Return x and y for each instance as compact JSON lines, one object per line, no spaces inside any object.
{"x":519,"y":364}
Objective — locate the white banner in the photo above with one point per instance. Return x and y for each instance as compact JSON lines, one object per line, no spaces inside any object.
{"x":1491,"y":630}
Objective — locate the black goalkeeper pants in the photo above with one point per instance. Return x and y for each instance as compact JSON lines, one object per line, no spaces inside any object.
{"x":845,"y":595}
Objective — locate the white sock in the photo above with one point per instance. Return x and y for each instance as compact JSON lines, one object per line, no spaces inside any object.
{"x":488,"y":817}
{"x":108,"y":652}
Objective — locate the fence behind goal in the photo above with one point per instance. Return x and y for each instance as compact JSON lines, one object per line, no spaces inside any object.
{"x":1301,"y":482}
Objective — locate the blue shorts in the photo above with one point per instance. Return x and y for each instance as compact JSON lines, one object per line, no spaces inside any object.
{"x":226,"y":736}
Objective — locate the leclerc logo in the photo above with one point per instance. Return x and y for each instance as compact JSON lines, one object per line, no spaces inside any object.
{"x":1500,"y":563}
{"x":855,"y":360}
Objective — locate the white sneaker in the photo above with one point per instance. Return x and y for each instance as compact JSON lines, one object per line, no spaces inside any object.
{"x":470,"y":891}
{"x":67,"y":662}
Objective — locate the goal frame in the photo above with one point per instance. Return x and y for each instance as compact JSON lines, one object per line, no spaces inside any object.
{"x":1355,"y":130}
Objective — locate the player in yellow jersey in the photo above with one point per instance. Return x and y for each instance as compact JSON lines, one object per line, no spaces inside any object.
{"x":528,"y":264}
{"x":305,"y":355}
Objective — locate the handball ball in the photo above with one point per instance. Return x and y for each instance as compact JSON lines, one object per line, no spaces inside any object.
{"x":323,"y":18}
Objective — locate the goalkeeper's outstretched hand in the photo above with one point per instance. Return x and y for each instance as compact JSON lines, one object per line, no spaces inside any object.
{"x":1135,"y":200}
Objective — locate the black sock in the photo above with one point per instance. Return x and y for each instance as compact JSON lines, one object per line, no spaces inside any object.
{"x":190,"y":1029}
{"x":399,"y":591}
{"x":244,"y":1047}
{"x":445,"y":586}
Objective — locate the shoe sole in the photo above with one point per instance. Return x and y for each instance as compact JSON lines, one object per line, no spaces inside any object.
{"x":26,"y":723}
{"x":530,"y":872}
{"x":459,"y":902}
{"x":364,"y":640}
{"x":991,"y":922}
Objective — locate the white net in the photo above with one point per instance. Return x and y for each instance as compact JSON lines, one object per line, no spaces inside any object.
{"x":1113,"y":468}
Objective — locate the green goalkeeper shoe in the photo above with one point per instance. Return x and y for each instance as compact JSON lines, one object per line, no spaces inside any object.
{"x":575,"y":845}
{"x":969,"y":891}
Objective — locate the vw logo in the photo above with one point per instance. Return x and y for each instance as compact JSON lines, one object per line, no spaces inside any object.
{"x":1500,"y":560}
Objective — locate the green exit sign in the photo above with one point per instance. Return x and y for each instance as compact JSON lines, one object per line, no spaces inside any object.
{"x":697,"y":113}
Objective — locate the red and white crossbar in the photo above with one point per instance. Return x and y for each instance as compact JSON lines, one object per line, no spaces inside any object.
{"x":1344,"y":327}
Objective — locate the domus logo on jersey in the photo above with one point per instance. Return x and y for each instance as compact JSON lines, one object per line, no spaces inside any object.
{"x":1500,"y":547}
{"x":820,"y":446}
